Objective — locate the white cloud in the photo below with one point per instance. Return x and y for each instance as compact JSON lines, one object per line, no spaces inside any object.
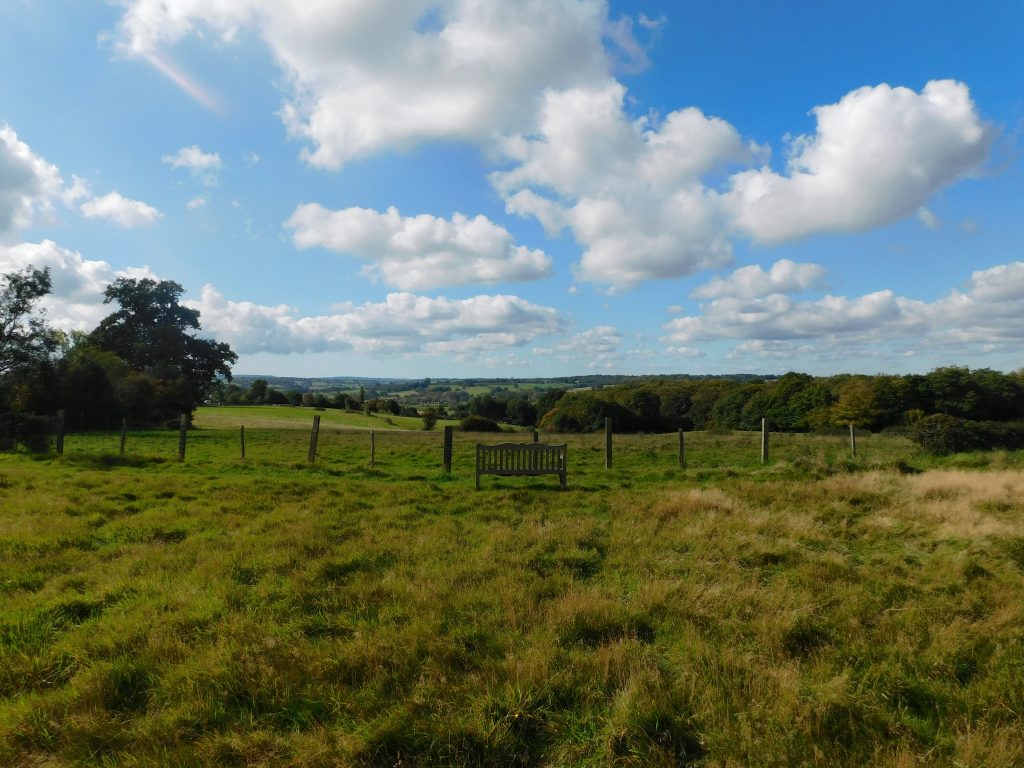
{"x":594,"y":347}
{"x":989,"y":311}
{"x":196,"y":202}
{"x":785,"y":276}
{"x":928,"y":218}
{"x":203,"y":165}
{"x":877,"y":155}
{"x":76,"y":300}
{"x":28,"y":183}
{"x":369,"y":74}
{"x":121,"y":210}
{"x":402,"y":323}
{"x":420,"y":252}
{"x":630,"y":190}
{"x":635,"y":192}
{"x":78,"y":190}
{"x":678,"y":351}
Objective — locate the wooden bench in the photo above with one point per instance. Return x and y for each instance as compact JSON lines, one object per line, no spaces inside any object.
{"x":510,"y":459}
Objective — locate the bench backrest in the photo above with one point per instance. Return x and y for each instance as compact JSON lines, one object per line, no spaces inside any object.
{"x":521,"y":457}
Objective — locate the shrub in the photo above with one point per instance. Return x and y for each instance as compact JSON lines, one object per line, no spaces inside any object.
{"x":27,"y":429}
{"x":479,"y":424}
{"x":429,"y":420}
{"x":942,"y":434}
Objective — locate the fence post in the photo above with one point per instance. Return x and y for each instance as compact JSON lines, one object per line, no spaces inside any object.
{"x":536,"y":437}
{"x":449,"y":432}
{"x":373,"y":448}
{"x":853,"y":442}
{"x":60,"y":432}
{"x":682,"y":449}
{"x":241,"y":439}
{"x":607,"y":442}
{"x":124,"y":433}
{"x":764,"y":441}
{"x":182,"y":431}
{"x":314,"y":435}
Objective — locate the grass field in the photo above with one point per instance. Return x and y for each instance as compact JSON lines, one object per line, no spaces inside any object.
{"x":819,"y":610}
{"x":294,"y":417}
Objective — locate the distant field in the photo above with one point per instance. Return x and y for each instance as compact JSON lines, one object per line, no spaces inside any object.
{"x":816,"y":611}
{"x":295,"y":417}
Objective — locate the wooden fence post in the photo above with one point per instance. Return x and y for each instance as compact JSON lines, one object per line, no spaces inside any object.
{"x":682,"y":449}
{"x":182,"y":431}
{"x":764,"y":441}
{"x":241,"y":439}
{"x":536,"y":436}
{"x":314,"y":436}
{"x":607,"y":442}
{"x":449,"y":432}
{"x":853,"y":442}
{"x":124,"y":432}
{"x":373,"y":448}
{"x":60,"y":432}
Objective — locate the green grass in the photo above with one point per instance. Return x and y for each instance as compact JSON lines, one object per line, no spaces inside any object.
{"x":819,"y":610}
{"x":295,"y":417}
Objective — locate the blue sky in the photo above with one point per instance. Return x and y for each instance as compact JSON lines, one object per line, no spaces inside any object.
{"x":472,"y":188}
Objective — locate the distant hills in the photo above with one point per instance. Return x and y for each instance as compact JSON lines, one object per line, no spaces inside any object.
{"x":326,"y":384}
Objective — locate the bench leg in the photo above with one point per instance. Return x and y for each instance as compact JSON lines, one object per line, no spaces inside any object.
{"x":478,"y":481}
{"x":561,"y":477}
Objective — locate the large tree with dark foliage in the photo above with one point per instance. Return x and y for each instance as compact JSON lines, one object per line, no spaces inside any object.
{"x":154,"y":334}
{"x":27,"y":344}
{"x":24,"y":337}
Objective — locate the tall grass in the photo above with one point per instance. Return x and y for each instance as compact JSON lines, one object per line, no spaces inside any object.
{"x":818,"y":610}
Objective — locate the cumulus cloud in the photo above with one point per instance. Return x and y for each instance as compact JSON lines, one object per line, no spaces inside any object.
{"x":204,"y":165}
{"x":646,"y":197}
{"x":420,"y":252}
{"x":636,"y":192}
{"x":369,"y":74}
{"x":28,"y":184}
{"x":196,"y":202}
{"x":121,"y":210}
{"x":402,"y":323}
{"x":630,"y":190}
{"x":76,"y":299}
{"x":785,"y":276}
{"x":877,"y":155}
{"x":989,"y":311}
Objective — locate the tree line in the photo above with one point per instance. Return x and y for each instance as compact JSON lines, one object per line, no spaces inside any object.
{"x":795,"y":402}
{"x":143,"y":361}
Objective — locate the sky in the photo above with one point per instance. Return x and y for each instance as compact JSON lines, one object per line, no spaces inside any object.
{"x":529,"y":188}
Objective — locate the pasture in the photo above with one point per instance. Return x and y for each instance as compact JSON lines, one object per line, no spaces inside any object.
{"x":817,"y":610}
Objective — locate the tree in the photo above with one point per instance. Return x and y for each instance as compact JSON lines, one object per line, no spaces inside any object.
{"x":258,"y":391}
{"x":28,"y":347}
{"x":521,"y":411}
{"x":24,"y":338}
{"x":154,"y":334}
{"x":857,"y":404}
{"x":487,"y":406}
{"x":429,"y":419}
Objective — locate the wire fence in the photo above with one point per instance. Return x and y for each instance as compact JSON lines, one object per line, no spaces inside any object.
{"x":408,"y":453}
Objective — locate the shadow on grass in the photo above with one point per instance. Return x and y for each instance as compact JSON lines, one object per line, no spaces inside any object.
{"x":112,"y":461}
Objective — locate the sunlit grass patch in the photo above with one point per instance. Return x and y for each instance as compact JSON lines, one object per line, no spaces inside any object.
{"x":812,"y":611}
